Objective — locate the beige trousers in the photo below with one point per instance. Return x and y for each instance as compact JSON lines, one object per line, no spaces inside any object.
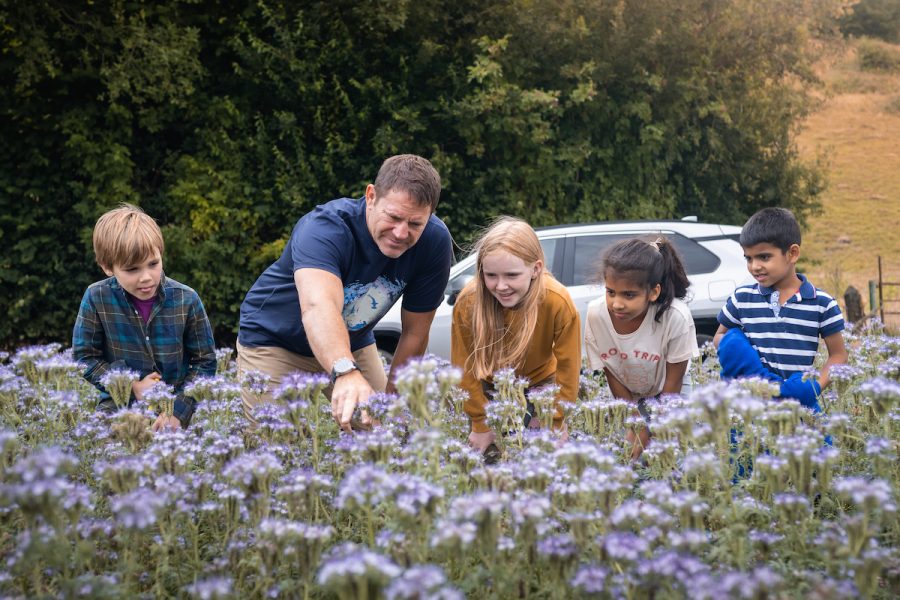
{"x":278,"y":362}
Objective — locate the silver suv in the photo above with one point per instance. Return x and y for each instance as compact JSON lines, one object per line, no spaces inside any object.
{"x":712,"y":257}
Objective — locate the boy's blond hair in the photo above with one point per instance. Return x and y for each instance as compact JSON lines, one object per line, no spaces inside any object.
{"x":125,"y":236}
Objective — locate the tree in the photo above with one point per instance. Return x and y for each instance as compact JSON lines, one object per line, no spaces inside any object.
{"x":228,"y":121}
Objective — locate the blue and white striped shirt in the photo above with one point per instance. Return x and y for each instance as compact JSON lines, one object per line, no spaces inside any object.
{"x":787,"y":339}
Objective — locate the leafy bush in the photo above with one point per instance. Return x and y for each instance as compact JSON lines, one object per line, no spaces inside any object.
{"x":878,"y":56}
{"x":228,"y":124}
{"x":738,"y":496}
{"x":874,"y":18}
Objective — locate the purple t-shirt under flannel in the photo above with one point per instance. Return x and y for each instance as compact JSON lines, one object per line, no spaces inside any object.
{"x":144,"y":307}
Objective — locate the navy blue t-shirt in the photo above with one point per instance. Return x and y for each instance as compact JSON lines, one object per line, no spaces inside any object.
{"x":334,"y":237}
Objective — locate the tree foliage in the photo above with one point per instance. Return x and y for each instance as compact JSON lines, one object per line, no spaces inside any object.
{"x":227,"y":121}
{"x":873,"y":18}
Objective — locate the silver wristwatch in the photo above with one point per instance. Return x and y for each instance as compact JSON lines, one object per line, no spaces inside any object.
{"x":342,"y":366}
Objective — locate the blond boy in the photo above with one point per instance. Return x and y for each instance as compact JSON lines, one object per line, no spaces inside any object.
{"x":139,"y":319}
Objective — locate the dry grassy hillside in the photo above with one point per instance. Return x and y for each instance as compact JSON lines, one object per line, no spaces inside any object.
{"x":858,"y":128}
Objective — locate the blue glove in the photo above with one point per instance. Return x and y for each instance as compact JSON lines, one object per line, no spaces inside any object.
{"x":739,"y":358}
{"x":806,"y":392}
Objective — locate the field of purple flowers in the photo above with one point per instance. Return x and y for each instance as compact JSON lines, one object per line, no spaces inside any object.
{"x":737,"y":497}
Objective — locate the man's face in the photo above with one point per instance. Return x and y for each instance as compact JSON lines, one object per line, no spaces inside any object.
{"x":395,"y":220}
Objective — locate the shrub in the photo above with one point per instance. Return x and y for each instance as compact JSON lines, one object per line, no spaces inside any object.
{"x":878,"y":56}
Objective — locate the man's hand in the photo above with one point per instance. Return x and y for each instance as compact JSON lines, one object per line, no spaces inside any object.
{"x":164,"y":422}
{"x":349,"y":391}
{"x":480,"y":441}
{"x":139,"y":387}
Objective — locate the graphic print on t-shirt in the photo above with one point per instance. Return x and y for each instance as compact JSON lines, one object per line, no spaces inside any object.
{"x":636,"y":370}
{"x":367,"y":303}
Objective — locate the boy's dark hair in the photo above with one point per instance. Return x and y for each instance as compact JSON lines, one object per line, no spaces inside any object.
{"x":648,"y":263}
{"x":776,"y":226}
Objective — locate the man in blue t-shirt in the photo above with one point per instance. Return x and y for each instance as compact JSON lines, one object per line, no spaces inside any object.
{"x":349,"y":261}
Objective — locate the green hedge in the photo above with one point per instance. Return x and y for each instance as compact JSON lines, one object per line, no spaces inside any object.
{"x":227,"y":121}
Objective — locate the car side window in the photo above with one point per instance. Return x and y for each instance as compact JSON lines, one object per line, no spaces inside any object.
{"x":588,"y":249}
{"x":586,"y":256}
{"x":696,"y":258}
{"x":550,"y":245}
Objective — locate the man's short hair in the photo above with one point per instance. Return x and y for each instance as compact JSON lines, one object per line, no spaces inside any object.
{"x":776,"y":226}
{"x":126,"y":236}
{"x":411,"y":174}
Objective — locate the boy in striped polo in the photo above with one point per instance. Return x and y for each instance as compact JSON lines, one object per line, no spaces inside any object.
{"x":772,"y":328}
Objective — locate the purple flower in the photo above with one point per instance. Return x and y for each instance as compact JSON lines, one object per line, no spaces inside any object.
{"x":676,"y":567}
{"x":529,"y":509}
{"x":294,"y":532}
{"x":890,"y":367}
{"x":761,"y":582}
{"x":221,"y":448}
{"x":380,"y":406}
{"x":348,"y":567}
{"x":118,"y":383}
{"x":391,"y":540}
{"x":559,"y":547}
{"x":636,"y":513}
{"x":300,"y":386}
{"x":365,"y":485}
{"x":256,"y":381}
{"x":590,"y":579}
{"x":578,"y":455}
{"x":624,"y":546}
{"x":700,"y":463}
{"x":271,"y":418}
{"x":764,"y":539}
{"x":160,"y":398}
{"x":415,"y":496}
{"x":211,"y":588}
{"x":844,"y":373}
{"x":137,"y":509}
{"x":253,"y":470}
{"x":44,"y":463}
{"x":866,"y":494}
{"x":478,"y":507}
{"x":879,"y":447}
{"x":881,"y":393}
{"x":689,"y":539}
{"x":657,"y":492}
{"x":422,"y":582}
{"x":173,"y":451}
{"x":203,"y":388}
{"x":95,"y":529}
{"x":453,"y":535}
{"x":793,"y":506}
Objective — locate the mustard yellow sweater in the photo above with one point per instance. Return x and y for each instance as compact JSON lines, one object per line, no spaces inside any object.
{"x":555,"y":349}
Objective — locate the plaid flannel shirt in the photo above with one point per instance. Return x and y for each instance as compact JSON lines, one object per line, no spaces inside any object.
{"x":176,"y":341}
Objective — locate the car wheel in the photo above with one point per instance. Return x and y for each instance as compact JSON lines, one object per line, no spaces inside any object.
{"x":702,"y":338}
{"x":386,"y":356}
{"x":386,"y":346}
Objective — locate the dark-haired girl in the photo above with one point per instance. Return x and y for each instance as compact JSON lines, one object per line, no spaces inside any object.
{"x":640,"y":333}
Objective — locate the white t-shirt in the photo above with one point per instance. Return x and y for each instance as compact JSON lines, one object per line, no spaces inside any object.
{"x":639,"y":359}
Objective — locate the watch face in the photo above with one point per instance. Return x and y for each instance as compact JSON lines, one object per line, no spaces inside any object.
{"x":342,"y":365}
